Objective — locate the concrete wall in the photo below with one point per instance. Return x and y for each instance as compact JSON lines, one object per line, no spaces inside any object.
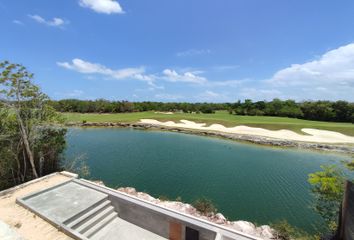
{"x":157,"y":219}
{"x":154,"y":221}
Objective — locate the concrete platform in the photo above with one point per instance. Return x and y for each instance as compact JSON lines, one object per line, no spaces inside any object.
{"x":122,"y":229}
{"x":24,"y":222}
{"x":65,"y":201}
{"x":83,"y":213}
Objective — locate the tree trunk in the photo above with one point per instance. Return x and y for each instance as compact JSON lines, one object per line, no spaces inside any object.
{"x":41,"y":161}
{"x":24,"y":164}
{"x":27,"y":145}
{"x":23,"y":130}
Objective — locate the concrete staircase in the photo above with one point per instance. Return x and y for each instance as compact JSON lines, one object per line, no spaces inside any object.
{"x":93,"y":219}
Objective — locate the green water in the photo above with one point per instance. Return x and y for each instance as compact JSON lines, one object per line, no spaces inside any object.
{"x":248,"y":182}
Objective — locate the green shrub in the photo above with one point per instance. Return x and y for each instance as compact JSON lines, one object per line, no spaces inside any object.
{"x":284,"y":231}
{"x":179,"y":199}
{"x":164,"y":198}
{"x":205,"y":206}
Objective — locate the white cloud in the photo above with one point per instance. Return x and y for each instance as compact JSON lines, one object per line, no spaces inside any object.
{"x":260,"y":94}
{"x":188,"y":77}
{"x":333,"y":67}
{"x":18,"y":22}
{"x":332,"y":74}
{"x":85,"y":67}
{"x":55,"y":22}
{"x":75,"y":93}
{"x":70,"y":94}
{"x":330,"y":77}
{"x":102,"y":6}
{"x":211,"y":94}
{"x":221,"y":68}
{"x":228,"y":83}
{"x":193,"y":52}
{"x":166,"y":96}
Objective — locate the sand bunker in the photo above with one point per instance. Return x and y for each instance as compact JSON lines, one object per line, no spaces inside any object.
{"x":315,"y":135}
{"x":167,"y":113}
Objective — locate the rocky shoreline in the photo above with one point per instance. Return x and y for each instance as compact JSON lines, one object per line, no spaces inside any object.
{"x":338,"y":148}
{"x":264,"y":232}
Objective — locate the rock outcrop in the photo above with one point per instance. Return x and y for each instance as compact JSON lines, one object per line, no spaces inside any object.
{"x":265,"y":231}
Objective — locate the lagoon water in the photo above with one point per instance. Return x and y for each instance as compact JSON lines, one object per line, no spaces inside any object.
{"x":245,"y":181}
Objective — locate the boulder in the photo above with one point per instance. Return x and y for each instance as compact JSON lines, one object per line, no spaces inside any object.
{"x":244,"y":226}
{"x":265,"y":232}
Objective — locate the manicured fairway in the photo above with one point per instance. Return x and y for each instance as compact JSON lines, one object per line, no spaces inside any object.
{"x":221,"y":117}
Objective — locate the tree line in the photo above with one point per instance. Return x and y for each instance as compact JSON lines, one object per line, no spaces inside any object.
{"x":338,"y":111}
{"x":105,"y":106}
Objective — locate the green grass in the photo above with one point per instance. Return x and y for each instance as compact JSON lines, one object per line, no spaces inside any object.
{"x":221,"y":117}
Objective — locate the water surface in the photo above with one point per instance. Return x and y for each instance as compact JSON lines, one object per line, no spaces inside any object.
{"x":245,"y":181}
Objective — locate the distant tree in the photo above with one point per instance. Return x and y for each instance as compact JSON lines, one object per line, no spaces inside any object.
{"x":343,"y":111}
{"x":247,"y":107}
{"x":205,"y":108}
{"x":273,"y":108}
{"x":320,"y":110}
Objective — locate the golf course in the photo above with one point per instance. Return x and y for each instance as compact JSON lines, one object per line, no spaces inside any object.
{"x":219,"y":117}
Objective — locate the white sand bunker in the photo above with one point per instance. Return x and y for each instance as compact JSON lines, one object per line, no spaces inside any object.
{"x":167,"y":113}
{"x":315,"y":135}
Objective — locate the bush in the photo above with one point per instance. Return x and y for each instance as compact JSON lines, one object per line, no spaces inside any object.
{"x":179,"y":199}
{"x":350,"y":165}
{"x":164,"y":198}
{"x":284,"y":231}
{"x":328,"y":190}
{"x":205,"y":206}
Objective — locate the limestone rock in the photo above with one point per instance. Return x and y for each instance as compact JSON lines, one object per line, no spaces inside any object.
{"x":264,"y":232}
{"x":244,"y":226}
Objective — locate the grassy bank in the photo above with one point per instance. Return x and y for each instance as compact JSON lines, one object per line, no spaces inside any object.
{"x":221,"y":117}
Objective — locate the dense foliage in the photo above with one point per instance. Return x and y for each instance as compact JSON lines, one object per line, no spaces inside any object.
{"x":105,"y":106}
{"x":30,"y":145}
{"x":339,"y":111}
{"x":328,"y":190}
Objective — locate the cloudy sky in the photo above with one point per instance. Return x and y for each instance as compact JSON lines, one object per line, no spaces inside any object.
{"x":183,"y":50}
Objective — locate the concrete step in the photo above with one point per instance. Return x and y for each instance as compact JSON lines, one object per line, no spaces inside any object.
{"x":104,"y":222}
{"x":92,"y":221}
{"x":88,"y":213}
{"x":84,"y":212}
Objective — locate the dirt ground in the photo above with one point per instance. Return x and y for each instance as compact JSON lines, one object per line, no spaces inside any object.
{"x":24,"y":222}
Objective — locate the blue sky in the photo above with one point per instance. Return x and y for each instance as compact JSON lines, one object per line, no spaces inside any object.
{"x":200,"y":50}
